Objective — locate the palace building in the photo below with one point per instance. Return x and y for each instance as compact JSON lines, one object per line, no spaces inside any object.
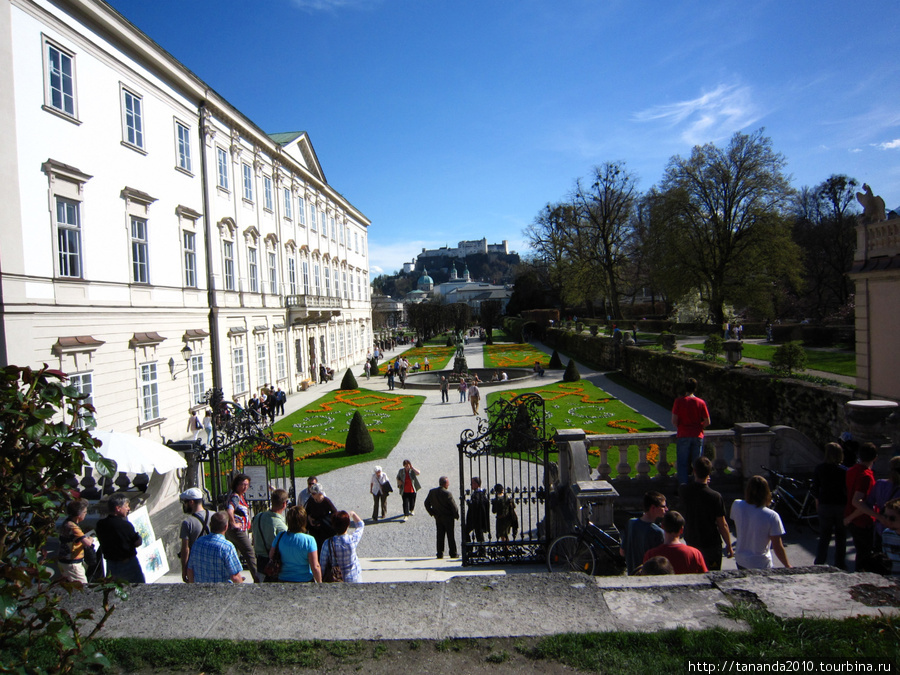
{"x":155,"y":242}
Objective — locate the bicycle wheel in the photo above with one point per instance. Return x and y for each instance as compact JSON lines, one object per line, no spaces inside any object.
{"x":570,"y":553}
{"x":810,"y":516}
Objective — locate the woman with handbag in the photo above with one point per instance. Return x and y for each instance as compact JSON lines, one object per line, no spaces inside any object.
{"x":294,"y":551}
{"x":380,"y":487}
{"x":408,"y":484}
{"x":340,"y":550}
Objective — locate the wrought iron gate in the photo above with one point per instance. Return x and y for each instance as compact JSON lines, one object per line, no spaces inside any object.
{"x":509,"y":449}
{"x":243,"y":442}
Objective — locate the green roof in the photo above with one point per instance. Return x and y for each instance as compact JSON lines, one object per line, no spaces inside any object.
{"x":286,"y":137}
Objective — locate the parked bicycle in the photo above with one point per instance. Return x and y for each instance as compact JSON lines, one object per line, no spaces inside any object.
{"x":589,"y":549}
{"x":793,"y":499}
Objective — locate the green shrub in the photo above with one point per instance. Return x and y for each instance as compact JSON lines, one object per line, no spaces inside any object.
{"x":555,"y":361}
{"x":373,"y":368}
{"x":359,"y":440}
{"x":712,"y":347}
{"x":789,"y":358}
{"x":571,"y":374}
{"x":349,"y":381}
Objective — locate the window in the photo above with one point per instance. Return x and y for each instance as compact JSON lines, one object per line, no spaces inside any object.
{"x":292,"y":276}
{"x":341,"y":352}
{"x":305,"y":278}
{"x":59,"y":80}
{"x":222,"y":167}
{"x":68,"y":230}
{"x":341,"y":228}
{"x":132,"y":106}
{"x":324,"y":225}
{"x":287,"y":203}
{"x":312,"y":217}
{"x":183,"y":141}
{"x":262,"y":365}
{"x":337,"y":285}
{"x":252,"y":270}
{"x":198,"y":384}
{"x":273,"y":275}
{"x":346,"y":294}
{"x":267,"y":194}
{"x":333,"y":232}
{"x":149,"y":393}
{"x":84,"y":384}
{"x":238,"y":370}
{"x":228,"y":254}
{"x":190,"y":260}
{"x":140,"y":262}
{"x":333,"y":352}
{"x":316,"y":280}
{"x":356,"y":241}
{"x":327,"y":282}
{"x":280,"y":361}
{"x":248,"y":181}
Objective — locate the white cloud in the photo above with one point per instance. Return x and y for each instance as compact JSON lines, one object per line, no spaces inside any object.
{"x":855,"y":150}
{"x":711,"y":116}
{"x":889,"y":145}
{"x":333,"y":5}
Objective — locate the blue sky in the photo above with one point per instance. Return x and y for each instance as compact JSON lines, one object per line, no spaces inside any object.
{"x":444,"y":121}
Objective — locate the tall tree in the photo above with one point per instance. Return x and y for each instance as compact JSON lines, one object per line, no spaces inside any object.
{"x":727,"y":211}
{"x":825,"y":230}
{"x":488,"y":312}
{"x":604,"y":210}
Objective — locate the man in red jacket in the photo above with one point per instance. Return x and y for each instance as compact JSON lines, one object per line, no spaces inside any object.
{"x":689,"y":417}
{"x":685,"y":559}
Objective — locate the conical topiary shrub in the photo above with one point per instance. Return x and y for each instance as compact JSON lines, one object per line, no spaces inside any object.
{"x":349,"y":381}
{"x":555,"y":361}
{"x":359,"y":440}
{"x":373,"y":368}
{"x":571,"y":374}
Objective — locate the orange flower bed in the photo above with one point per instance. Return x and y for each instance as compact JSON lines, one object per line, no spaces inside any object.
{"x":365,"y":400}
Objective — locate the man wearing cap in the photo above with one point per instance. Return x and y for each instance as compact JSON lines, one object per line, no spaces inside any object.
{"x":214,"y":558}
{"x":194,"y":526}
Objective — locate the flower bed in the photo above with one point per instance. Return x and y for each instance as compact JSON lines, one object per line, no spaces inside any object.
{"x":513,"y":356}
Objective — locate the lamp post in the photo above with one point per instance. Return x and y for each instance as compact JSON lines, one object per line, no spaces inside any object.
{"x":186,"y":355}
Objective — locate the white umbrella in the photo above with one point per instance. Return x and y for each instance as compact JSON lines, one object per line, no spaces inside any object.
{"x":133,"y":454}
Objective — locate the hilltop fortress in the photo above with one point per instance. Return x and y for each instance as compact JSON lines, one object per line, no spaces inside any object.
{"x":463,"y":249}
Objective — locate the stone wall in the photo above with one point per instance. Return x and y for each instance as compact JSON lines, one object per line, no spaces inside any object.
{"x":733,"y":395}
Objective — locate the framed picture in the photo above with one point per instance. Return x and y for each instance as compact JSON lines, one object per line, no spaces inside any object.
{"x":141,"y":521}
{"x":153,"y":561}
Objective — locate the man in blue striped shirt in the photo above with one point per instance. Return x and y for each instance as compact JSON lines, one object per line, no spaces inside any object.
{"x":213,"y":558}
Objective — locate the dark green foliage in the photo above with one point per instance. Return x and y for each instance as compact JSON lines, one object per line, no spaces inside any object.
{"x":373,"y":368}
{"x":712,"y":347}
{"x":349,"y":381}
{"x":571,"y":374}
{"x":359,"y":440}
{"x":449,"y":341}
{"x":39,"y":448}
{"x":788,"y":358}
{"x":555,"y":361}
{"x":419,"y":343}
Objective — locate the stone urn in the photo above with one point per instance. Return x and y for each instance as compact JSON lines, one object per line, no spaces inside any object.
{"x":668,"y":342}
{"x":733,"y":351}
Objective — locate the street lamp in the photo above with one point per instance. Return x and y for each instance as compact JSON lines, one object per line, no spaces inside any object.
{"x":186,"y":355}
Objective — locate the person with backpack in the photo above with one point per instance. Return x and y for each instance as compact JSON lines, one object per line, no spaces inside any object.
{"x":266,"y":526}
{"x":193,"y":527}
{"x":194,"y":426}
{"x":478,"y":516}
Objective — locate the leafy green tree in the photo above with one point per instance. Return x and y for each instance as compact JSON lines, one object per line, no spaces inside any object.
{"x":359,"y":440}
{"x":726,"y":223}
{"x":489,"y":312}
{"x":825,"y":230}
{"x":43,"y":441}
{"x":789,"y":358}
{"x":712,"y":347}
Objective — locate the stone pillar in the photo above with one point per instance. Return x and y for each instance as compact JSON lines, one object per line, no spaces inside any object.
{"x":753,"y":448}
{"x":571,"y":447}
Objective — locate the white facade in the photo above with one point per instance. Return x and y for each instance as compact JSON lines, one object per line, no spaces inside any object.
{"x":143,"y":214}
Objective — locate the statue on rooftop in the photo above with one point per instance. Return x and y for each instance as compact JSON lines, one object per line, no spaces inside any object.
{"x":873,"y":206}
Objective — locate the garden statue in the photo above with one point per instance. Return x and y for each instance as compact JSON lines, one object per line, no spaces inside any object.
{"x":873,"y":206}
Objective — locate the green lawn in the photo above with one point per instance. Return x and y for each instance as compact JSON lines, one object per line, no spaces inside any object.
{"x":581,"y":405}
{"x":840,"y":363}
{"x":513,"y":356}
{"x":319,"y":431}
{"x":438,"y":356}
